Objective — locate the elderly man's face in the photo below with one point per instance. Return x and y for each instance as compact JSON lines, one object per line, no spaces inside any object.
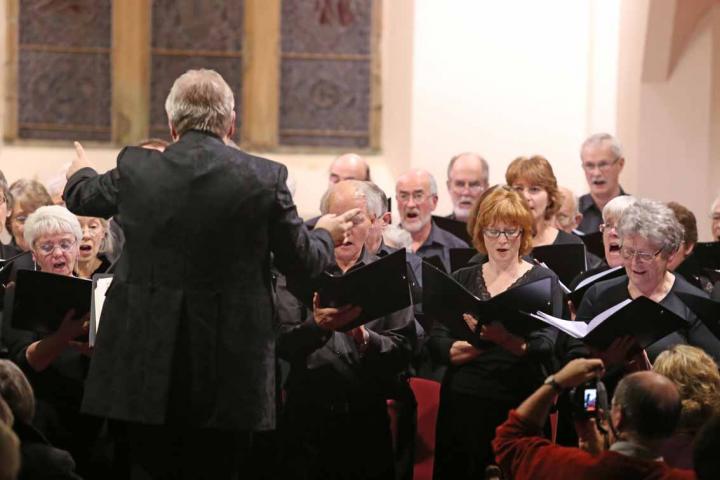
{"x":567,"y":217}
{"x":355,"y":239}
{"x":415,"y":202}
{"x":716,"y":221}
{"x":56,"y":252}
{"x":466,"y":183}
{"x":602,"y":169}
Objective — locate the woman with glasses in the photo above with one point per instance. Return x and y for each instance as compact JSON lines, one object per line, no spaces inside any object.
{"x":96,"y":242}
{"x":482,"y":384}
{"x":533,"y":179}
{"x":56,"y":364}
{"x":650,"y":236}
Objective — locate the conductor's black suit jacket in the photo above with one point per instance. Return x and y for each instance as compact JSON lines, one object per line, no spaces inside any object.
{"x":187,"y":332}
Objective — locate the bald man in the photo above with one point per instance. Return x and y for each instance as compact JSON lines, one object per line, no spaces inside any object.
{"x":416,"y":195}
{"x":467,"y":179}
{"x":348,"y":166}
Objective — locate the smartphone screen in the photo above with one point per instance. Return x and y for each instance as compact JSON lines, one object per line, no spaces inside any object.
{"x":590,"y":399}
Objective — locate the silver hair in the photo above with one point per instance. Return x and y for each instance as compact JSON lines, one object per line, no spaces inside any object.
{"x":483,"y":162}
{"x":51,"y":219}
{"x":714,"y":204}
{"x":362,"y":189}
{"x":615,"y":207}
{"x":653,"y":221}
{"x":397,"y":237}
{"x":598,"y":139}
{"x":377,"y":203}
{"x":433,"y":184}
{"x":200,"y":100}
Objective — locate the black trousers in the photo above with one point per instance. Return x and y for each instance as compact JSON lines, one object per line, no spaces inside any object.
{"x":465,"y":428}
{"x":337,"y":444}
{"x":175,"y":452}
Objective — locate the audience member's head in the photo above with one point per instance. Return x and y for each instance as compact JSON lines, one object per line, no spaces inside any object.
{"x":17,"y":392}
{"x":645,"y":408}
{"x":467,"y":178}
{"x":416,"y":195}
{"x":154,"y":144}
{"x":381,"y":216}
{"x":706,"y":460}
{"x":611,"y":214}
{"x":501,"y":207}
{"x":54,"y":235}
{"x":534,"y":179}
{"x":9,"y":453}
{"x":690,"y":233}
{"x":602,"y":160}
{"x":27,"y":196}
{"x":715,"y":216}
{"x":568,"y":217}
{"x":349,"y":166}
{"x":344,"y":196}
{"x":696,"y":377}
{"x":201,"y":100}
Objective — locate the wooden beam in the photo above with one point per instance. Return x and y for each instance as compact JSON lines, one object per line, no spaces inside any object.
{"x":131,"y":71}
{"x":11,"y":70}
{"x":261,"y":75}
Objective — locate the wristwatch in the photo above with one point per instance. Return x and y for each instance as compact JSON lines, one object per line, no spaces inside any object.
{"x":555,"y":385}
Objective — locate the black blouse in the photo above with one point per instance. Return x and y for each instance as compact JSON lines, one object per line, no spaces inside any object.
{"x":496,"y":373}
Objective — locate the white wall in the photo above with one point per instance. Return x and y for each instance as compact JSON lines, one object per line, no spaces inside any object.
{"x":512,"y":78}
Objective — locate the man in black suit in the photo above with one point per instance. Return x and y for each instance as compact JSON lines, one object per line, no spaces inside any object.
{"x":185,"y":355}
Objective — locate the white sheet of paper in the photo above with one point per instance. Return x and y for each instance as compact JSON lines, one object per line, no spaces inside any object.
{"x":98,"y":301}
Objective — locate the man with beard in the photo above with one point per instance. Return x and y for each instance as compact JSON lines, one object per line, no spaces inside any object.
{"x":467,"y":179}
{"x":602,"y":162}
{"x":416,"y":195}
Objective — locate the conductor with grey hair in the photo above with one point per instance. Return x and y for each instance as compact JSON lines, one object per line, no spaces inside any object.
{"x":185,"y":355}
{"x":602,"y":161}
{"x":650,"y":236}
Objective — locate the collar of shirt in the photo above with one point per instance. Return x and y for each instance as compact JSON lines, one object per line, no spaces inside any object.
{"x":437,"y":236}
{"x":630,"y":449}
{"x":586,"y":202}
{"x":365,"y":258}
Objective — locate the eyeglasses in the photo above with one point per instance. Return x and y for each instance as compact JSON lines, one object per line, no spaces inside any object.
{"x":640,"y":257}
{"x":49,"y":247}
{"x":602,"y":166}
{"x":606,"y":226}
{"x":474,"y":186}
{"x":510,"y":234}
{"x":418,"y":197}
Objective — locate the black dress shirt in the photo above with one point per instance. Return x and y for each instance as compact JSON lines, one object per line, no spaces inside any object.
{"x":592,"y":215}
{"x":438,"y":244}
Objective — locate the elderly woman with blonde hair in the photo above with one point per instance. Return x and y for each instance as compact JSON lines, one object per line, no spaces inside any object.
{"x":696,"y":376}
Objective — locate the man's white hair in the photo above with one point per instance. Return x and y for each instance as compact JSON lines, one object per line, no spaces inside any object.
{"x":598,"y":139}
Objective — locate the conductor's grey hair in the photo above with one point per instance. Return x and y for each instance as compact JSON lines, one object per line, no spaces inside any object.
{"x":200,"y":100}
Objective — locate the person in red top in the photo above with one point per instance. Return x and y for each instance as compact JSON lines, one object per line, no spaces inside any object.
{"x":645,"y":411}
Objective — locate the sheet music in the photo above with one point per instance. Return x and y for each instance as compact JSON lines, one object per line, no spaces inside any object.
{"x":593,"y":278}
{"x":98,"y":300}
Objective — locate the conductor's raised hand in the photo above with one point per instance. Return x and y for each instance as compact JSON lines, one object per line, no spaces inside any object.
{"x":338,"y":225}
{"x":81,"y":161}
{"x":331,"y":318}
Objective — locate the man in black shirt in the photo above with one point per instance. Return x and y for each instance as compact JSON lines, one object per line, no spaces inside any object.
{"x":602,"y":162}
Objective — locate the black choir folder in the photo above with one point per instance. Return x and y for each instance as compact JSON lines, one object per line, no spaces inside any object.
{"x":456,"y":227}
{"x":583,"y":286}
{"x":566,"y":260}
{"x":594,"y":243}
{"x":38,"y":301}
{"x":378,"y":288}
{"x":445,"y":300}
{"x":641,"y":318}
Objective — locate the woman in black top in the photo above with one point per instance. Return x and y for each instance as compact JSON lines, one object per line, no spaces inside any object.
{"x":650,"y":237}
{"x":533,"y":178}
{"x":482,"y":384}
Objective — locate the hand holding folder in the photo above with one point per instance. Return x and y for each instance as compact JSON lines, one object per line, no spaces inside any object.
{"x":378,"y":289}
{"x":643,"y":319}
{"x":445,"y":300}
